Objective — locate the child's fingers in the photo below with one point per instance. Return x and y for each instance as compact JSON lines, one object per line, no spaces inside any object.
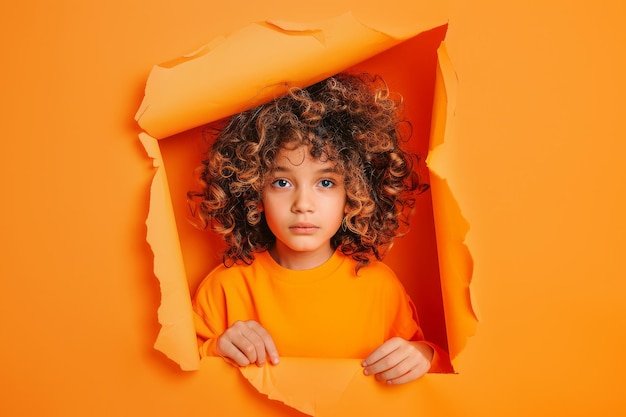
{"x":397,"y":362}
{"x":246,"y":343}
{"x":383,"y":357}
{"x":402,"y":371}
{"x":241,"y":344}
{"x":414,"y":366}
{"x":227,"y":348}
{"x":267,"y":341}
{"x":415,"y":372}
{"x":235,"y":344}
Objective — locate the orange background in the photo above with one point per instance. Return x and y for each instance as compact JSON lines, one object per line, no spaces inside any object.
{"x":535,"y":163}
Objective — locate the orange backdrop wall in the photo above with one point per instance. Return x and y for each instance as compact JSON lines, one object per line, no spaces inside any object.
{"x":535,"y":162}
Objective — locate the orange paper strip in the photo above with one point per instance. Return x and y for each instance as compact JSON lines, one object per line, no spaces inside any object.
{"x":455,"y":261}
{"x":254,"y":65}
{"x":177,"y":338}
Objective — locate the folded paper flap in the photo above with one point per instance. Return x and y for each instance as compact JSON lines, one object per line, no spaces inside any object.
{"x":329,"y":387}
{"x":177,"y":336}
{"x":310,"y":385}
{"x":233,"y":73}
{"x":455,"y":260}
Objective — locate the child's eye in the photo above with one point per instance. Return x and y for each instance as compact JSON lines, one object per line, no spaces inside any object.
{"x":326,"y":183}
{"x":280,"y":183}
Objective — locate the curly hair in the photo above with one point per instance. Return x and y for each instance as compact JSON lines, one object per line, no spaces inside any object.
{"x":351,"y":120}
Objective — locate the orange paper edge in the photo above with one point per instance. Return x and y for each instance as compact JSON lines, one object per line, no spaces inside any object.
{"x":317,"y":394}
{"x":455,"y":261}
{"x":317,"y":387}
{"x":254,"y":65}
{"x":177,"y":338}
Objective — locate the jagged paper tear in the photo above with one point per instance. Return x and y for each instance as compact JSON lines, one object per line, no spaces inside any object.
{"x":212,"y":83}
{"x":254,"y":65}
{"x":455,"y":261}
{"x":177,"y":338}
{"x":311,"y":386}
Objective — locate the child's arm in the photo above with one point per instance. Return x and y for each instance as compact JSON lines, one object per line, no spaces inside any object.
{"x":247,"y":342}
{"x":398,"y":361}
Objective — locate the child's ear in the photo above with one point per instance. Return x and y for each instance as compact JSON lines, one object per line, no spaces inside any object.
{"x":260,"y":207}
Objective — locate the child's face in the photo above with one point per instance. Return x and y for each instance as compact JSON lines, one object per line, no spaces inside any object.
{"x":304,"y":203}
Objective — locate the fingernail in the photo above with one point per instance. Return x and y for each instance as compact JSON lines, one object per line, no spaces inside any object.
{"x":275,"y":361}
{"x":366,"y":372}
{"x":363,"y":363}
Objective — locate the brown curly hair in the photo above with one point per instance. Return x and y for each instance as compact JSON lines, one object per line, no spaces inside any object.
{"x":351,"y":120}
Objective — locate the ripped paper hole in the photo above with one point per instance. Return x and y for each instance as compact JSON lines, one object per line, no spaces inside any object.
{"x":218,"y":80}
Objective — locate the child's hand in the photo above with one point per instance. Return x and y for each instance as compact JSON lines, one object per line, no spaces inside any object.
{"x":247,"y":342}
{"x":398,"y":361}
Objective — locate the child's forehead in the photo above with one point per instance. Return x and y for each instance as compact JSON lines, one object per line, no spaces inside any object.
{"x":296,"y":155}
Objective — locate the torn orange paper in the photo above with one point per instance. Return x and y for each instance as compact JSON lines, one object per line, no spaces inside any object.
{"x":317,"y":394}
{"x":254,"y":65}
{"x":316,"y":387}
{"x":177,"y":338}
{"x":179,"y":97}
{"x":455,"y":261}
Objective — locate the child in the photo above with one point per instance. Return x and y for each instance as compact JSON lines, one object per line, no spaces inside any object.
{"x":309,"y":192}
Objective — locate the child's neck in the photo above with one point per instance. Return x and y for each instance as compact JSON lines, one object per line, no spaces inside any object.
{"x":299,"y":260}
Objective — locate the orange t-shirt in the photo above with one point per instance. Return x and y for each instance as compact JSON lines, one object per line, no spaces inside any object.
{"x":327,"y":311}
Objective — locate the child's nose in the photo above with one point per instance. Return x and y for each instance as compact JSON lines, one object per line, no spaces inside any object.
{"x":303,"y":201}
